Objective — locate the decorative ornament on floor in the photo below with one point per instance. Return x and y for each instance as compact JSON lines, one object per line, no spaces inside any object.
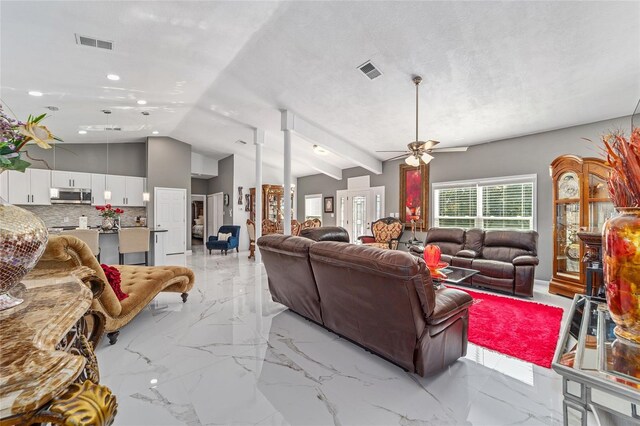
{"x":420,"y":151}
{"x":23,"y":236}
{"x":621,"y":234}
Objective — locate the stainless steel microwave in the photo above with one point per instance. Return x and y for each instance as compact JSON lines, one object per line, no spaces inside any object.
{"x":72,"y":196}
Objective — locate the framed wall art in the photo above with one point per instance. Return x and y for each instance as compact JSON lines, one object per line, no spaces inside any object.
{"x":328,"y":204}
{"x":414,"y":195}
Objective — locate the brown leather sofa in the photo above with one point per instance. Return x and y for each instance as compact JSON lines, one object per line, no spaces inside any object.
{"x":383,"y":300}
{"x":326,"y":233}
{"x":506,"y":259}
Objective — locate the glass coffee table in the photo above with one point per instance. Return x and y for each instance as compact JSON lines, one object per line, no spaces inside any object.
{"x":454,"y":275}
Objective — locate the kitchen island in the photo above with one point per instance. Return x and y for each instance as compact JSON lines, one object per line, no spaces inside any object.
{"x":109,"y":246}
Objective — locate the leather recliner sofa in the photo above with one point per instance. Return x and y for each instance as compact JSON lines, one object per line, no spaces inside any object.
{"x":380,"y":299}
{"x":506,"y":259}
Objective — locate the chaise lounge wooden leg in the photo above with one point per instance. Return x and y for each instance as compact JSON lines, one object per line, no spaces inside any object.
{"x":184,"y":297}
{"x":113,"y":337}
{"x":237,"y":251}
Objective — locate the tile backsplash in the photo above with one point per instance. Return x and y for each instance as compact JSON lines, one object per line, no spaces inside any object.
{"x":54,"y":215}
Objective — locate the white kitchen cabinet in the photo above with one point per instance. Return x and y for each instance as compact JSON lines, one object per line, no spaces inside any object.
{"x":134,"y":190}
{"x":31,"y":187}
{"x":118,"y":187}
{"x":62,"y":179}
{"x":98,"y":182}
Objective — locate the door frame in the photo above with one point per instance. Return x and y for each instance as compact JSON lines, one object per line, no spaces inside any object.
{"x":155,"y":210}
{"x":213,"y":198}
{"x":203,"y":198}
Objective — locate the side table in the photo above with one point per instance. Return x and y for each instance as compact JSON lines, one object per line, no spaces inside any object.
{"x":49,"y":373}
{"x":600,"y":373}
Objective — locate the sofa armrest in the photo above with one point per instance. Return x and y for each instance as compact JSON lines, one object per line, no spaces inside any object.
{"x":365,"y":239}
{"x":470,"y":254}
{"x":525,"y":260}
{"x":233,"y":241}
{"x":449,"y":302}
{"x":416,"y":249}
{"x":213,"y":238}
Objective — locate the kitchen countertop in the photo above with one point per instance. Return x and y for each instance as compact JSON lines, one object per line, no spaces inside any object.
{"x":57,"y":229}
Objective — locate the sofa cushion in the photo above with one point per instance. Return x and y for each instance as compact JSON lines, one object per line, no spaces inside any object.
{"x":222,"y":236}
{"x":473,"y":240}
{"x":494,"y":268}
{"x":450,"y":240}
{"x":326,"y":233}
{"x":505,"y":246}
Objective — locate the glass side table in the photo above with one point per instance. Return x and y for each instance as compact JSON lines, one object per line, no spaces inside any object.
{"x":600,"y":373}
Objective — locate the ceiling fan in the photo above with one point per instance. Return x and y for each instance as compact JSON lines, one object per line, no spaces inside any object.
{"x":420,"y":150}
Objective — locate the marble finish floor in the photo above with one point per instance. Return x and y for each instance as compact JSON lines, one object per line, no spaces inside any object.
{"x":232,"y":356}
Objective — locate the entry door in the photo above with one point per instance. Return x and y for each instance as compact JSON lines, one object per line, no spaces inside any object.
{"x":358,"y":209}
{"x":170,"y":210}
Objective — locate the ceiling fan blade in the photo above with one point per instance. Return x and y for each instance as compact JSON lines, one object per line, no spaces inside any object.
{"x":396,"y":151}
{"x":456,"y":149}
{"x":397,"y":157}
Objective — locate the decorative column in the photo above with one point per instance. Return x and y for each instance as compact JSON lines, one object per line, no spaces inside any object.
{"x":287,"y":127}
{"x":258,"y":141}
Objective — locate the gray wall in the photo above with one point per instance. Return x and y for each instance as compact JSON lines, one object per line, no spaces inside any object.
{"x":168,"y":166}
{"x":199,"y":186}
{"x":128,"y":159}
{"x":327,"y":186}
{"x":523,"y":155}
{"x":224,"y":183}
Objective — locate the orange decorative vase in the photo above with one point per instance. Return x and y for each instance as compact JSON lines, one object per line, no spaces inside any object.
{"x":432,"y":255}
{"x":621,"y":257}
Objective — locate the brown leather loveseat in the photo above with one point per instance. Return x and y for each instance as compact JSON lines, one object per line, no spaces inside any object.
{"x":506,"y":259}
{"x":380,"y":299}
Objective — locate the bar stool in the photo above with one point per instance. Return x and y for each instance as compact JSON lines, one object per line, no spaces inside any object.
{"x":133,"y":240}
{"x":90,"y":237}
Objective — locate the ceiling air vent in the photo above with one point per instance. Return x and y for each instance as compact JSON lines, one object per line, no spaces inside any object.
{"x":370,"y":70}
{"x":93,"y":42}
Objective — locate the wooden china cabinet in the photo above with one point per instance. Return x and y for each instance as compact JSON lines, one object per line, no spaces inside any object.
{"x":272,"y":203}
{"x":580,"y":202}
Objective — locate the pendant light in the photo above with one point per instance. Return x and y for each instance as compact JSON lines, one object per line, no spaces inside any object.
{"x":54,"y":192}
{"x":145,"y":195}
{"x":107,"y":191}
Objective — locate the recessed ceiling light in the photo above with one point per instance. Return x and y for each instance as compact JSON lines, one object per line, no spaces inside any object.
{"x":82,"y":132}
{"x":320,"y":150}
{"x":35,"y":93}
{"x":114,"y":77}
{"x":52,"y":108}
{"x":142,"y":102}
{"x":155,"y":132}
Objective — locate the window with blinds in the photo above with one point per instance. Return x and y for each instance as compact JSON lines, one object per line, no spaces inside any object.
{"x":313,"y":206}
{"x":497,"y":203}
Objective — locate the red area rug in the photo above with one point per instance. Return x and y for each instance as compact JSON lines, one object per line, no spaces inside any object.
{"x":518,"y":328}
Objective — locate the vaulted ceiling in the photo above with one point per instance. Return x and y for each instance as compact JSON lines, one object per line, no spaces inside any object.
{"x":211,"y":71}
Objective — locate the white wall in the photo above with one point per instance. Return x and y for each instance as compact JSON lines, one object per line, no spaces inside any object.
{"x":244,"y":174}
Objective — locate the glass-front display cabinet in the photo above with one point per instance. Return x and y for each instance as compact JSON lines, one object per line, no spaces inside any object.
{"x":272,"y":203}
{"x":580,"y":203}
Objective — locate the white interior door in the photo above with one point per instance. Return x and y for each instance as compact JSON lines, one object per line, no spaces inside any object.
{"x":215,"y":210}
{"x":170,"y":210}
{"x":211,"y":224}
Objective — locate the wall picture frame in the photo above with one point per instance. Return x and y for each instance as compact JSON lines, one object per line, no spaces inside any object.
{"x":414,"y":195}
{"x":226,"y":199}
{"x":329,"y":204}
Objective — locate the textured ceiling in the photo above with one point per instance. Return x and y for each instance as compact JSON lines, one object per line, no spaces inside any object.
{"x":212,"y":70}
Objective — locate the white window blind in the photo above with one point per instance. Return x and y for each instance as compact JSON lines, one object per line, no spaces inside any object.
{"x":313,"y":206}
{"x":497,"y":203}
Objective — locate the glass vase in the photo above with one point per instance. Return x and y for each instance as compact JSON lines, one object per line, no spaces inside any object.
{"x":621,"y":257}
{"x":108,"y":223}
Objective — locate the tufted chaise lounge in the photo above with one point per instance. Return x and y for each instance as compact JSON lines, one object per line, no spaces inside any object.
{"x":140,"y":283}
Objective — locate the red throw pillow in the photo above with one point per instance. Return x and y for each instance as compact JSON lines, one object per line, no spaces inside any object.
{"x":113,"y":276}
